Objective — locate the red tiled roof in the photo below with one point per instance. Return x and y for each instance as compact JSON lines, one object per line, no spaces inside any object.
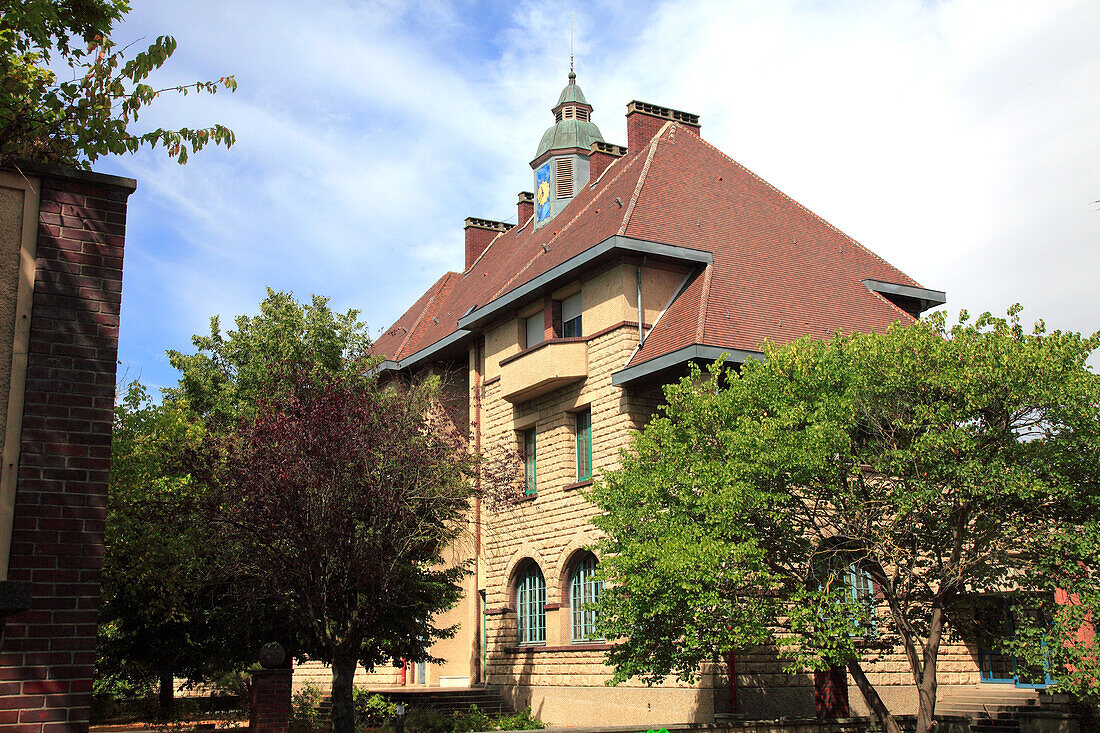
{"x":779,"y":270}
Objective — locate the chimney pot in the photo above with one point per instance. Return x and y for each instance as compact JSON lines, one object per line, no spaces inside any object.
{"x":644,"y":120}
{"x":601,"y":155}
{"x":479,"y":233}
{"x":525,"y":205}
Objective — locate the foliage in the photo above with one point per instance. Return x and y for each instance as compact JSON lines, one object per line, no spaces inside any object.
{"x":305,"y":707}
{"x":427,"y":720}
{"x":938,"y":460}
{"x":372,"y":709}
{"x":89,"y":110}
{"x":341,"y":494}
{"x":174,"y":600}
{"x":227,"y":375}
{"x":159,"y":612}
{"x":473,"y":719}
{"x":522,"y":720}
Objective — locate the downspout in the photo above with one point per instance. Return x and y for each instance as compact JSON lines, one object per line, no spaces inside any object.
{"x":641,"y":320}
{"x":479,"y":615}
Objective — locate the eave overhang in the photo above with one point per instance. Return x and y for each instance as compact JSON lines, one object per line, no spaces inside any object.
{"x":553,"y":278}
{"x":608,"y":249}
{"x":927,"y":298}
{"x":700,"y":352}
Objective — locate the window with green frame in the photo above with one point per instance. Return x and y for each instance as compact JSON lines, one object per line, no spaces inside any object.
{"x":584,"y":589}
{"x":584,"y":444}
{"x":861,"y":590}
{"x":530,"y":473}
{"x":531,"y":606}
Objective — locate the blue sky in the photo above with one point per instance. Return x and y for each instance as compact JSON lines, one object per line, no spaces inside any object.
{"x":958,"y":139}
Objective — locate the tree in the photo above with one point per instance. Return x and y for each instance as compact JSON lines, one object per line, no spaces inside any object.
{"x":171,"y":605}
{"x":73,"y":121}
{"x":343,"y":493}
{"x":229,"y":373}
{"x":158,"y":612}
{"x":937,"y":461}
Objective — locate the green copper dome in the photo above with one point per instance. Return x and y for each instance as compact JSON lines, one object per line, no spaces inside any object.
{"x":572,"y":92}
{"x":570,"y":132}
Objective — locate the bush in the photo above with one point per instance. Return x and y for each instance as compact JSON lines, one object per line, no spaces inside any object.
{"x":523,"y":720}
{"x":305,"y":707}
{"x":427,"y":720}
{"x":474,"y":719}
{"x":372,"y":709}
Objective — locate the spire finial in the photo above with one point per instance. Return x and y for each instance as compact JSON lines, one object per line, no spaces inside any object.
{"x":572,"y":74}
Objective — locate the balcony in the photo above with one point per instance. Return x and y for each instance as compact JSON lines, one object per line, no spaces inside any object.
{"x":543,"y":368}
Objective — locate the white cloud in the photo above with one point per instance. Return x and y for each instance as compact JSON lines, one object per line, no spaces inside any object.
{"x":957,"y":139}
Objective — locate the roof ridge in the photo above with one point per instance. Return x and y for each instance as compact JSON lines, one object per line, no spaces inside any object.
{"x":801,"y":206}
{"x":642,"y":177}
{"x":595,"y":197}
{"x":427,"y":306}
{"x":704,"y":296}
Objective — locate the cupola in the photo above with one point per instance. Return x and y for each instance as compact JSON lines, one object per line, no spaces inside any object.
{"x":561,"y":164}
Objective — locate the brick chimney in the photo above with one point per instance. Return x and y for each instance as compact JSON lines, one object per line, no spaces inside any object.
{"x":602,"y":155}
{"x":526,"y":206}
{"x":479,"y":233}
{"x":644,"y":120}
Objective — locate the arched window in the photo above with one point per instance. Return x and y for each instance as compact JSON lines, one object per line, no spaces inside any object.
{"x":531,"y":606}
{"x":584,"y":589}
{"x":862,"y":592}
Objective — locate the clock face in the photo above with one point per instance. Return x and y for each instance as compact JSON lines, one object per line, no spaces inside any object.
{"x":542,"y":193}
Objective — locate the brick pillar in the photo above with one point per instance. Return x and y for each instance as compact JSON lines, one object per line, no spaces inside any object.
{"x":831,"y":693}
{"x":47,"y":652}
{"x":269,"y":706}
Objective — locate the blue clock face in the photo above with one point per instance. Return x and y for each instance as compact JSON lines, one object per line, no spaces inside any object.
{"x":542,"y":194}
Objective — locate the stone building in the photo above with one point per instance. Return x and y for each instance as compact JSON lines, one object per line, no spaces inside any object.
{"x":626,"y":264}
{"x":62,"y":233}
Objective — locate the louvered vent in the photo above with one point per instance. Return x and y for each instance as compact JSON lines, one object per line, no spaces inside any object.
{"x":582,"y":114}
{"x":564,"y":177}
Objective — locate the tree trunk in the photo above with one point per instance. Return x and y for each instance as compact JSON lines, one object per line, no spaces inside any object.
{"x":167,"y":694}
{"x":926,"y":711}
{"x":870,"y":694}
{"x":343,"y":705}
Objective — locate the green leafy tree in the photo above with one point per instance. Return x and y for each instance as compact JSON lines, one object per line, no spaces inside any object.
{"x":158,"y":613}
{"x":939,"y":461}
{"x":229,"y":372}
{"x":68,"y":95}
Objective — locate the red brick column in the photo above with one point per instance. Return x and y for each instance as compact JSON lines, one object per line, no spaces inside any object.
{"x":46,"y":653}
{"x":269,"y":707}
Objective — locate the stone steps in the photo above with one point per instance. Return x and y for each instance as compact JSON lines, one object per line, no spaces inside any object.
{"x":445,"y":700}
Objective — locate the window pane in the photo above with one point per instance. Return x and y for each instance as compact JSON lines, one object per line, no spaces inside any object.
{"x":584,"y":589}
{"x":584,"y":445}
{"x":571,"y":307}
{"x":535,"y":330}
{"x":530,"y":474}
{"x":531,"y":607}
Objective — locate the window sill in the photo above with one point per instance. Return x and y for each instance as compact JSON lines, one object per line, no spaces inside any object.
{"x":525,"y":497}
{"x":541,"y":649}
{"x":577,"y":485}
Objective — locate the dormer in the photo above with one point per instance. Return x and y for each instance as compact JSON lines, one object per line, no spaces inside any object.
{"x":561,"y":164}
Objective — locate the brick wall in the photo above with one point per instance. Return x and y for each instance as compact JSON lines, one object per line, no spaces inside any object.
{"x":47,"y":652}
